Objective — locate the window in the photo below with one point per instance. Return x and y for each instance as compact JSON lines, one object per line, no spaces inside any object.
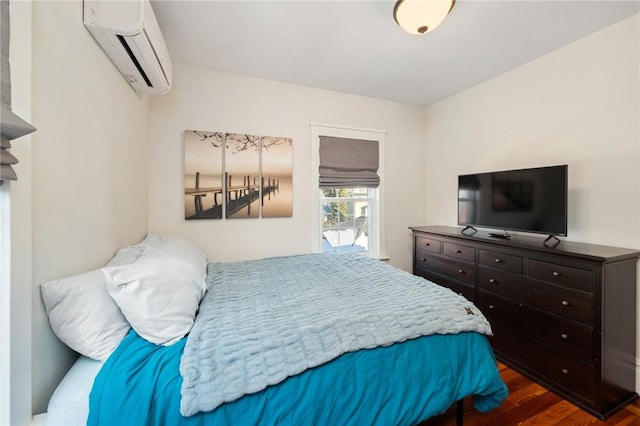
{"x":345,"y":218}
{"x":347,"y":211}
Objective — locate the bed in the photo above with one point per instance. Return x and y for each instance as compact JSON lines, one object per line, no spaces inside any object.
{"x":308,"y":339}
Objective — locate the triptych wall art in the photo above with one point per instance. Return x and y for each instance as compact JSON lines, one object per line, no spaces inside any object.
{"x":233,"y":176}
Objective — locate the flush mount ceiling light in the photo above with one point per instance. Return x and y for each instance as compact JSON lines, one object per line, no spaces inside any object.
{"x":421,"y":16}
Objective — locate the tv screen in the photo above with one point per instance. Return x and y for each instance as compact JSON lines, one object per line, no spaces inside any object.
{"x":529,"y":200}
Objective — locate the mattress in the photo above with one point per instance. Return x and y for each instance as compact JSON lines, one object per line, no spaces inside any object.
{"x":69,"y":404}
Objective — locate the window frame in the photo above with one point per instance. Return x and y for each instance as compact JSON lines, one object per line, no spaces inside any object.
{"x":5,"y":303}
{"x":376,"y":211}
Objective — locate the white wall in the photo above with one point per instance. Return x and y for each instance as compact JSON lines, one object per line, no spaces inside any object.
{"x":215,"y":101}
{"x":578,"y":105}
{"x":89,"y":168}
{"x":18,"y":377}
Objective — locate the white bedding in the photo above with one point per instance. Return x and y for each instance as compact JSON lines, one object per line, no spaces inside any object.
{"x":69,"y":404}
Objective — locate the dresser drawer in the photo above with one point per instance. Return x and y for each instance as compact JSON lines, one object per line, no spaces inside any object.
{"x":456,"y":269}
{"x":566,"y":336}
{"x":501,"y":261}
{"x":568,"y":303}
{"x":457,"y":251}
{"x":502,"y":283}
{"x":465,"y":290}
{"x":461,"y":289}
{"x":576,"y":376}
{"x":580,"y":279}
{"x":428,"y":244}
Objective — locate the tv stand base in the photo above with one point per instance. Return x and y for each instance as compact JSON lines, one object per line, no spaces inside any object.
{"x":504,"y":236}
{"x":468,"y":227}
{"x":549,"y":238}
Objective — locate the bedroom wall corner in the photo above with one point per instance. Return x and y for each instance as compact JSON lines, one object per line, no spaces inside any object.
{"x":89,"y":169}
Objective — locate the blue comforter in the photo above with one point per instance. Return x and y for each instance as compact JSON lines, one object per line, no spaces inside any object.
{"x":400,"y":384}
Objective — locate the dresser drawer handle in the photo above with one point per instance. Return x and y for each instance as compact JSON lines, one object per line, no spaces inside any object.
{"x":565,"y":371}
{"x":457,"y":251}
{"x":565,"y":303}
{"x":492,"y":281}
{"x":427,"y":244}
{"x":423,"y":259}
{"x":491,"y":306}
{"x":556,"y":273}
{"x":564,"y":336}
{"x":461,"y":271}
{"x":498,"y":260}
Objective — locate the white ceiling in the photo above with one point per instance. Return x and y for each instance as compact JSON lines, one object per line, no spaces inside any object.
{"x":356,"y":46}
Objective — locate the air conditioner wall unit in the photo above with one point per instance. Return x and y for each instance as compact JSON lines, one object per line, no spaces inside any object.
{"x":129,"y":33}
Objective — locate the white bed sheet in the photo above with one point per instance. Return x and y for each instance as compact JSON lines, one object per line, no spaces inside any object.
{"x":69,"y":404}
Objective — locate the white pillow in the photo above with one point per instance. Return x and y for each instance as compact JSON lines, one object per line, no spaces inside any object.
{"x":159,"y":295}
{"x":83,"y":315}
{"x":126,"y":256}
{"x":183,"y":249}
{"x":153,"y":240}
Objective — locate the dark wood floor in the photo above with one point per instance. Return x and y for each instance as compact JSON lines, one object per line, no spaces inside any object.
{"x":531,"y":404}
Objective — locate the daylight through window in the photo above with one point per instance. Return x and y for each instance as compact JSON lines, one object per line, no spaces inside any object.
{"x":346,"y":225}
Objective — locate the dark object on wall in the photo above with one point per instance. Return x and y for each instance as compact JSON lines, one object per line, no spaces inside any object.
{"x":529,"y":200}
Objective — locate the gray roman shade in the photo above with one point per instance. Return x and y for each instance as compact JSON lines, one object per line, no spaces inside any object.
{"x":348,"y":163}
{"x":12,"y":126}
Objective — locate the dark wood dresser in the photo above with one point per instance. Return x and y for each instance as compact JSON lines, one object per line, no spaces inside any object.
{"x":563,"y":316}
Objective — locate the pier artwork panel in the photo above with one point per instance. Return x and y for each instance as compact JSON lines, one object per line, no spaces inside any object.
{"x":242,"y":165}
{"x":203,"y":174}
{"x":233,"y":175}
{"x":277,"y":171}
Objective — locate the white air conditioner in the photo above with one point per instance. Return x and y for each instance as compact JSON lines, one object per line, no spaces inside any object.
{"x":128,"y":32}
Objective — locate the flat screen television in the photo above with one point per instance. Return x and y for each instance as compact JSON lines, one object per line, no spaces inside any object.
{"x":527,"y":200}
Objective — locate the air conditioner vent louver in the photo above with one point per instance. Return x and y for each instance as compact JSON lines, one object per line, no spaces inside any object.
{"x":130,"y":77}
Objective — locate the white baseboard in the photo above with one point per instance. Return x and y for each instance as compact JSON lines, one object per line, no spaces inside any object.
{"x":638,"y":375}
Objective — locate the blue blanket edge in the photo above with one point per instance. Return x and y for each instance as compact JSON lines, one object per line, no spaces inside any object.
{"x":140,"y":385}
